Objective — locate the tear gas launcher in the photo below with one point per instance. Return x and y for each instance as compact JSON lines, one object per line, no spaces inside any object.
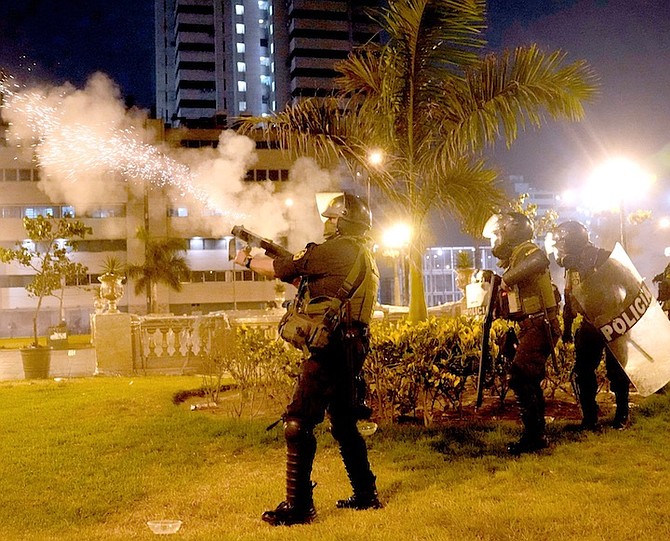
{"x":272,"y":249}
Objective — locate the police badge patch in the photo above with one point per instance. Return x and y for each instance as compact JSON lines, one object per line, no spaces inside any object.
{"x":299,"y":255}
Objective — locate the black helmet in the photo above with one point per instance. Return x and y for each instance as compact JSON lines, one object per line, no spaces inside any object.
{"x":353,"y":215}
{"x":507,"y":231}
{"x":569,"y":239}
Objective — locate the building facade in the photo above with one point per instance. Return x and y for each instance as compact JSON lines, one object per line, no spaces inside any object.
{"x":214,"y":282}
{"x":220,"y":59}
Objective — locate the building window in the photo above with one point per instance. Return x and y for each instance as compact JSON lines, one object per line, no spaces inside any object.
{"x":239,"y":28}
{"x":241,"y":67}
{"x":239,"y":9}
{"x":179,"y":212}
{"x":240,"y":47}
{"x":196,"y":243}
{"x":242,"y":86}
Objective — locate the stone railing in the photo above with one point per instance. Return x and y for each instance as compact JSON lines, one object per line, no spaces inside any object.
{"x":182,"y":344}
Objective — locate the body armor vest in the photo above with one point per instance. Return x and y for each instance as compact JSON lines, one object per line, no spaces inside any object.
{"x":534,"y":294}
{"x":359,"y":289}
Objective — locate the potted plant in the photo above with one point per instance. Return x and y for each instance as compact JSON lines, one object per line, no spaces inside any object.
{"x":46,"y":253}
{"x":464,"y":267}
{"x":111,"y":280}
{"x":280,"y":292}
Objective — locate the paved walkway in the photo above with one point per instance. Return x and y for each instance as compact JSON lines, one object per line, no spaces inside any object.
{"x":65,"y":363}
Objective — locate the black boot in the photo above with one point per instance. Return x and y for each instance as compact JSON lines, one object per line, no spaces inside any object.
{"x":298,"y":508}
{"x":589,"y":416}
{"x":531,"y":408}
{"x":286,"y":514}
{"x":355,"y":457}
{"x":527,"y":444}
{"x":620,"y":421}
{"x":361,"y":500}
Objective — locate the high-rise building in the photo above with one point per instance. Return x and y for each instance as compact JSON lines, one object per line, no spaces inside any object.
{"x":214,"y":58}
{"x":218,"y":59}
{"x":321,"y":33}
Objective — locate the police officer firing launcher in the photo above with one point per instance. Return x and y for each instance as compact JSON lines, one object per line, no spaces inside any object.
{"x":328,"y":320}
{"x":529,"y":295}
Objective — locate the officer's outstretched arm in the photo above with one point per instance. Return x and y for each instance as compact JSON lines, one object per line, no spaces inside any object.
{"x":261,"y":264}
{"x":534,"y":263}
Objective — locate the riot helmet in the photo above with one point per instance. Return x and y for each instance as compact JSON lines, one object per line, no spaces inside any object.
{"x":569,"y":240}
{"x":352,"y":216}
{"x":506,"y":231}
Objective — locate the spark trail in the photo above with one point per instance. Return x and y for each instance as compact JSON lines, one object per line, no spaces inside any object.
{"x":75,"y":148}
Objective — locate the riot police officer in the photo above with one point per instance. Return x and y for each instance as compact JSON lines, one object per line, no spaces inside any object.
{"x":529,"y":297}
{"x":330,"y":376}
{"x":580,"y":258}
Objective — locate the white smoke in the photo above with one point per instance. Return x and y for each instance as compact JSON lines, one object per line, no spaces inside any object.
{"x":85,"y":139}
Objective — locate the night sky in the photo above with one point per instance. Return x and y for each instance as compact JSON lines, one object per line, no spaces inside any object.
{"x":626,"y":41}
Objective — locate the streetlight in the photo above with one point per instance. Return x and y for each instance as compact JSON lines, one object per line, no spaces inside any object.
{"x":395,"y":240}
{"x":614,"y":182}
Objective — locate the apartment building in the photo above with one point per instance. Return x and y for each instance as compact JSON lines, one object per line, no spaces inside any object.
{"x":217,"y":60}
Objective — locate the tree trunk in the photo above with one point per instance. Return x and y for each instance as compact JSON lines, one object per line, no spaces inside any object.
{"x":417,"y":297}
{"x":153,"y":297}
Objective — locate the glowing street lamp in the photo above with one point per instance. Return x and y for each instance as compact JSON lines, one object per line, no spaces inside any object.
{"x":615,"y":182}
{"x":395,"y":240}
{"x":376,"y":157}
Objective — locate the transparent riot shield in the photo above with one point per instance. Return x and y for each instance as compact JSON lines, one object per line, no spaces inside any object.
{"x":619,"y":303}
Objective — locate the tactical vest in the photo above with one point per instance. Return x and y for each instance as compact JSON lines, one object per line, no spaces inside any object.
{"x":309,"y":323}
{"x":359,"y":289}
{"x":530,"y":296}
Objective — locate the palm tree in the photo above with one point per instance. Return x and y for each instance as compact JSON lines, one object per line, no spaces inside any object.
{"x":434,"y":104}
{"x":162,"y":264}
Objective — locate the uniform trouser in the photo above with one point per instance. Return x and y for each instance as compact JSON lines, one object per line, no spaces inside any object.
{"x":589,"y":346}
{"x":528,"y":370}
{"x":326,"y":384}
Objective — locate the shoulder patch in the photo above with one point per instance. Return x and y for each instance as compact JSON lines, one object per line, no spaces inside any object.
{"x":299,"y":254}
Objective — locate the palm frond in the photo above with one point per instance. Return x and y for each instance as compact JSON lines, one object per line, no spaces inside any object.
{"x":510,"y":92}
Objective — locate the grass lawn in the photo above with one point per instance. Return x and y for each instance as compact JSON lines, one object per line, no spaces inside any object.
{"x":95,"y":458}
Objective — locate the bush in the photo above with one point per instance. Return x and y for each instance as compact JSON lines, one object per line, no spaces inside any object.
{"x":425,"y":370}
{"x":262,"y":368}
{"x":421,"y":371}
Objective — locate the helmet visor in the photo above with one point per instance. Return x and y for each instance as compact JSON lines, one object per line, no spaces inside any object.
{"x":550,"y":245}
{"x":492,"y":228}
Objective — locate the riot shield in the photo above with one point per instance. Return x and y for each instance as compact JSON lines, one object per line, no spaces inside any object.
{"x":619,"y":303}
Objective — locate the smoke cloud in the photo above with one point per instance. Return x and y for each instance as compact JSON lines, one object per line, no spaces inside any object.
{"x":85,"y":141}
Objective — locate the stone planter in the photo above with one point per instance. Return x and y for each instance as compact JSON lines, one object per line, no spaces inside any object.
{"x":463,"y":277}
{"x":111,"y":290}
{"x":36,"y":362}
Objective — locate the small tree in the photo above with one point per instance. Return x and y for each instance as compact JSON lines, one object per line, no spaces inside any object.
{"x":162,"y":264}
{"x":46,"y":253}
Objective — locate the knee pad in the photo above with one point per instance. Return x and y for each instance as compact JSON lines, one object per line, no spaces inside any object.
{"x":296,"y":430}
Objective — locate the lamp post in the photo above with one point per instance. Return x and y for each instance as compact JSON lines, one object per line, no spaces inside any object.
{"x":612,"y":184}
{"x":395,"y":240}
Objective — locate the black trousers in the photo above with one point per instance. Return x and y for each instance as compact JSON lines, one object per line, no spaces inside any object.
{"x":589,"y":346}
{"x":528,"y":369}
{"x":327,"y":384}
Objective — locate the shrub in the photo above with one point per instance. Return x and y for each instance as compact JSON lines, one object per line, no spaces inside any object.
{"x":262,"y":368}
